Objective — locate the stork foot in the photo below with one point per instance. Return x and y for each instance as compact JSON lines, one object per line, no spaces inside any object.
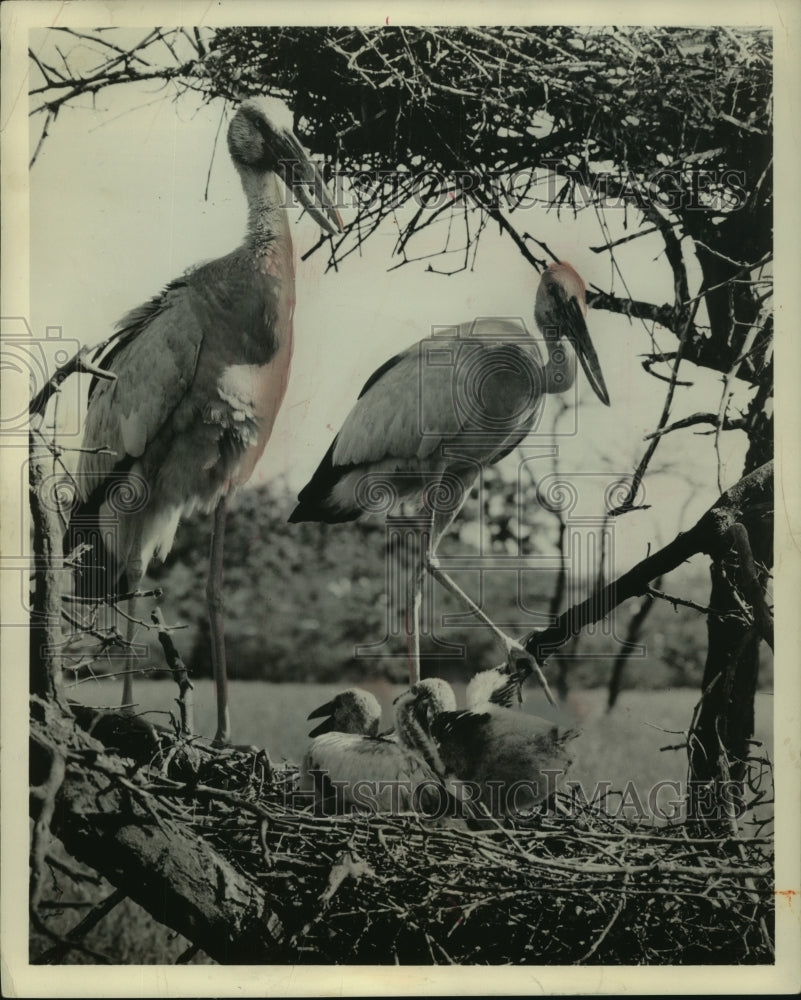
{"x":515,"y":653}
{"x":521,"y":663}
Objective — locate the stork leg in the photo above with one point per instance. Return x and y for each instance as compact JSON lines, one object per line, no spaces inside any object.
{"x":413,"y":557}
{"x":215,"y":606}
{"x":413,"y":601}
{"x":514,"y":650}
{"x":133,"y":577}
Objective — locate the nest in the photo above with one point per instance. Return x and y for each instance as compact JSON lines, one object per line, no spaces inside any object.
{"x":574,"y":884}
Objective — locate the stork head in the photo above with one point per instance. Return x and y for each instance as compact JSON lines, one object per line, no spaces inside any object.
{"x":424,"y":702}
{"x":260,"y":139}
{"x":560,"y":310}
{"x":352,"y":711}
{"x":496,"y":686}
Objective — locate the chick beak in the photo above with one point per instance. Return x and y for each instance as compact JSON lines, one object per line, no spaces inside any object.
{"x":327,"y":725}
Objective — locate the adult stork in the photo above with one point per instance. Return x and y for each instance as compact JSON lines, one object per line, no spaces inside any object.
{"x":429,"y":419}
{"x":393,"y":773}
{"x":200,"y":372}
{"x":511,"y":758}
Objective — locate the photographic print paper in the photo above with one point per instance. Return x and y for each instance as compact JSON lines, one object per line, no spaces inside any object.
{"x":389,"y":531}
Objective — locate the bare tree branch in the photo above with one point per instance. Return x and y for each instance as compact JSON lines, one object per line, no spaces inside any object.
{"x":708,"y":535}
{"x":728,"y":424}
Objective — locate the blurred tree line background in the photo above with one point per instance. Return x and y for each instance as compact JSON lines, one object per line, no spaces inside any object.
{"x":300,"y":598}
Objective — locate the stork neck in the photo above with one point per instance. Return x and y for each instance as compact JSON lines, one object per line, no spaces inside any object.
{"x":560,"y":370}
{"x":267,"y":217}
{"x":415,"y":737}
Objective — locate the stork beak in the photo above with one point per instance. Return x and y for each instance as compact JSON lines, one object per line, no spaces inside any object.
{"x":303,"y":177}
{"x":576,"y":331}
{"x":327,"y":726}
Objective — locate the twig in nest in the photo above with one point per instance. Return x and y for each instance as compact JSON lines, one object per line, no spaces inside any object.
{"x":179,"y":672}
{"x":75,"y":873}
{"x":599,"y":940}
{"x":45,"y":796}
{"x":348,"y":865}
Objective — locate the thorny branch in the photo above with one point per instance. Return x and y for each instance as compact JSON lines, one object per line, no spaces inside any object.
{"x":728,"y":424}
{"x":179,"y":671}
{"x":79,"y":362}
{"x":752,"y":495}
{"x":678,"y":602}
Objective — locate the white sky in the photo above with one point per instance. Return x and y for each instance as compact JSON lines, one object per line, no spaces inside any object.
{"x":117,"y":210}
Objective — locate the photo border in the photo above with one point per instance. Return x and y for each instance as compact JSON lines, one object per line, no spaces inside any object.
{"x":21,"y":979}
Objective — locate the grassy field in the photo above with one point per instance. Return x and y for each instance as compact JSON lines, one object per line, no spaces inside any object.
{"x":621,"y":748}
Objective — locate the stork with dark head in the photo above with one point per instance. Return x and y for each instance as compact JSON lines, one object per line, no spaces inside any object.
{"x":200,"y":372}
{"x":431,"y":418}
{"x":511,"y":757}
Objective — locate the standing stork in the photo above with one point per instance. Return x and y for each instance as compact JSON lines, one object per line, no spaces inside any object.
{"x":429,"y":419}
{"x":200,"y":372}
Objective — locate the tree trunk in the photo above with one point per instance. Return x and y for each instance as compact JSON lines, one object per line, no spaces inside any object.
{"x":45,"y":625}
{"x":719,"y":745}
{"x":111,"y":822}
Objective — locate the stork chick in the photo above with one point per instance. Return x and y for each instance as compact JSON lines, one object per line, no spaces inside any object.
{"x":376,"y":773}
{"x":352,"y":711}
{"x":506,"y":753}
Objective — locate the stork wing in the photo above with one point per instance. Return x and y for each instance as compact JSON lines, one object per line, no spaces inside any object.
{"x":154,"y":357}
{"x":438,"y":392}
{"x":370,"y":772}
{"x":481,"y":390}
{"x":462,"y":739}
{"x":501,"y":746}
